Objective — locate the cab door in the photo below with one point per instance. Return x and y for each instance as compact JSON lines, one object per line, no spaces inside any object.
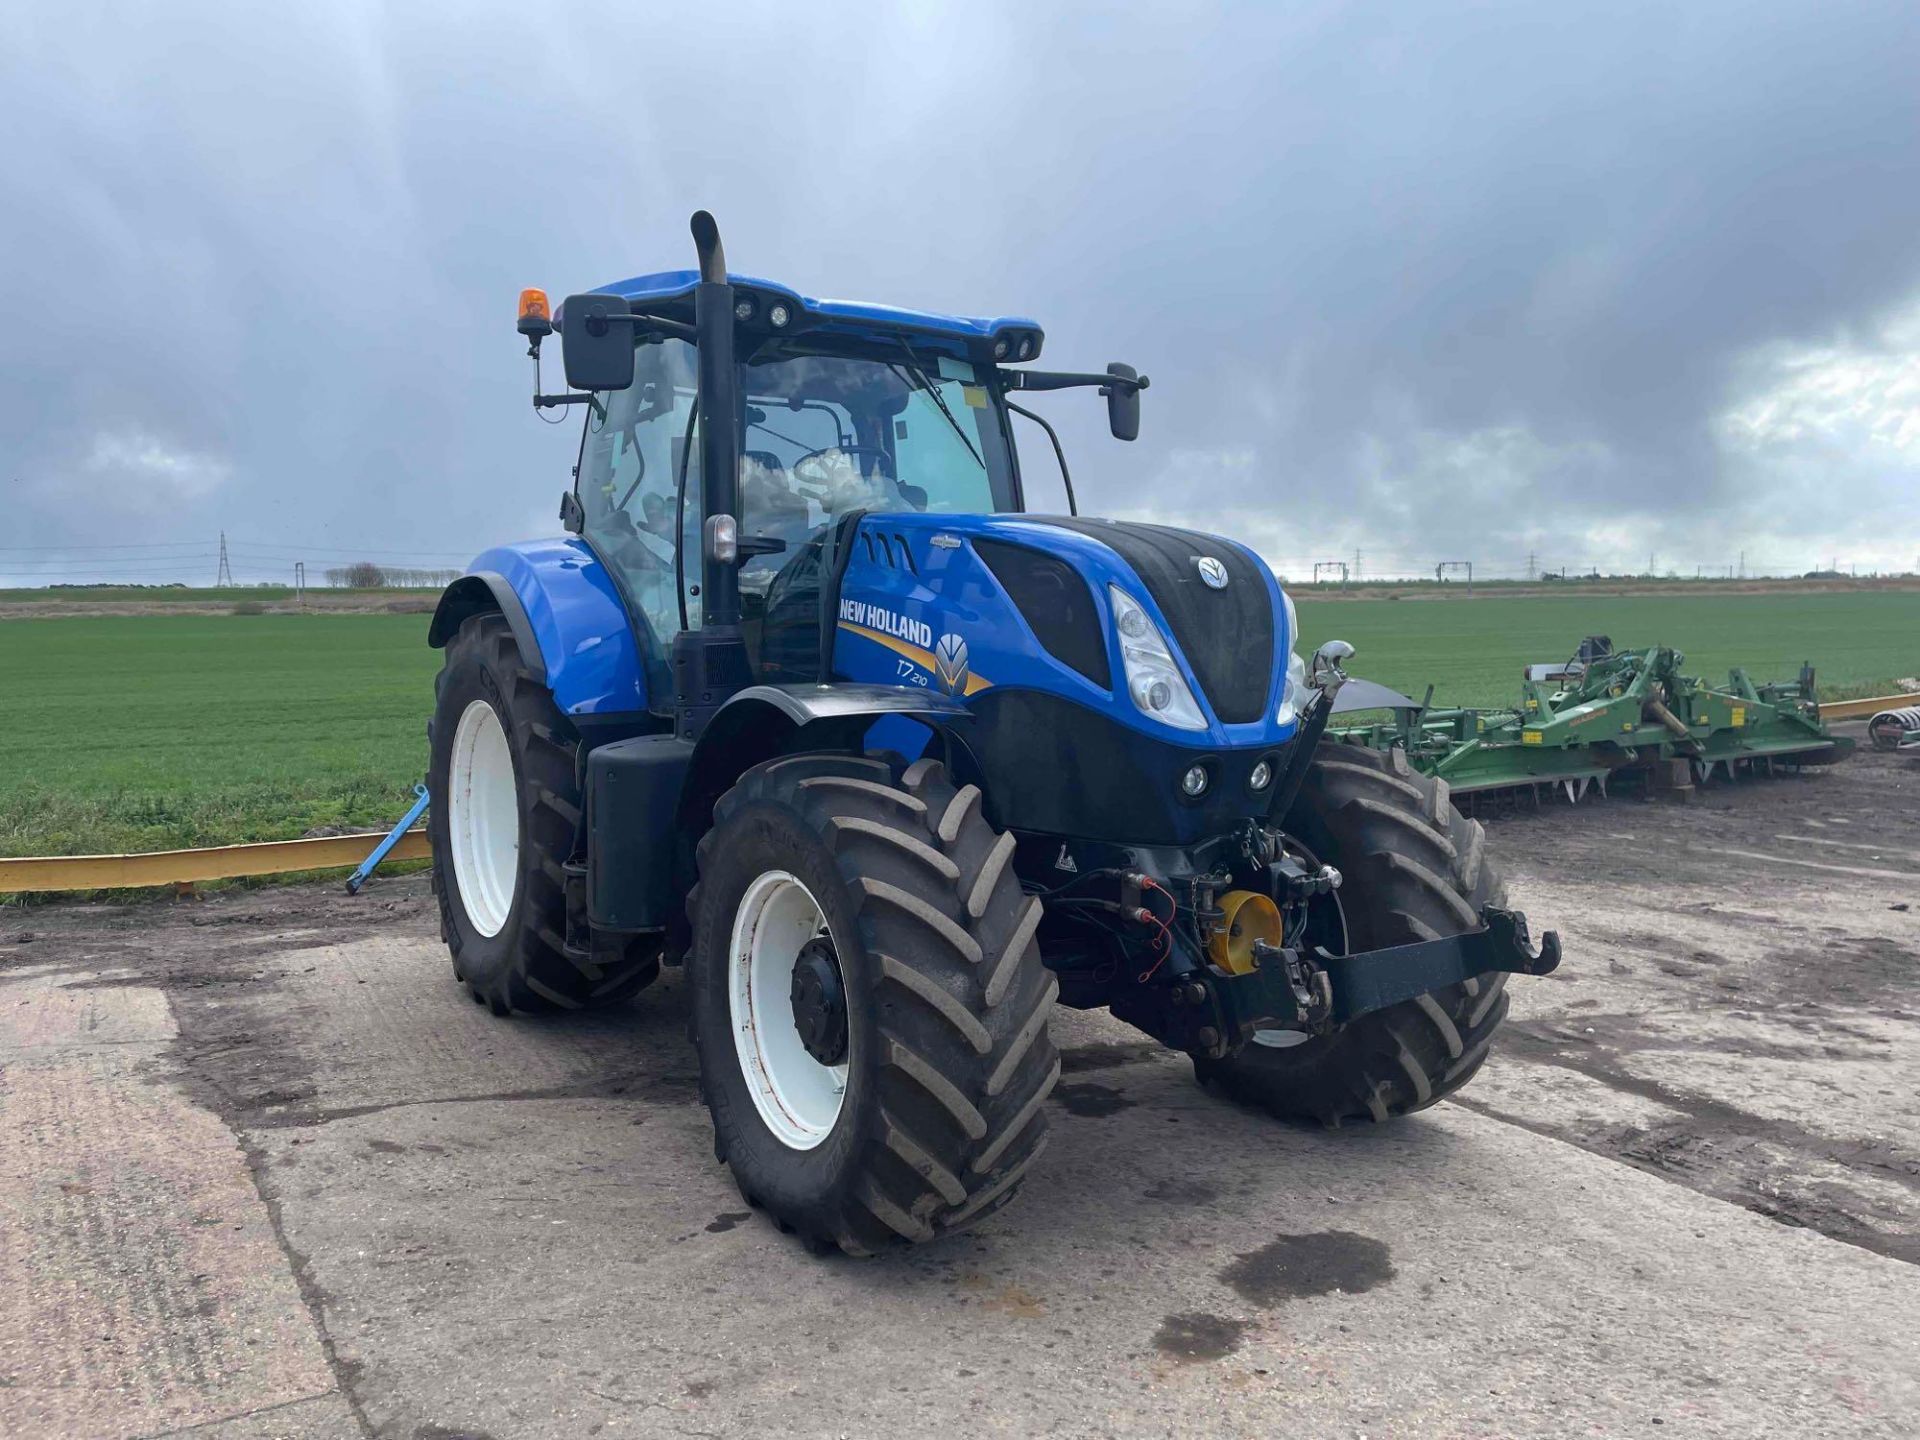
{"x":632,"y":462}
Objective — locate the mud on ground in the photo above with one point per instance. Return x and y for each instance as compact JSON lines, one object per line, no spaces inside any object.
{"x":1740,"y":1008}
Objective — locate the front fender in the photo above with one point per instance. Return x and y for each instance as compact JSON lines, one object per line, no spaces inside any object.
{"x":763,"y":721}
{"x":567,"y":615}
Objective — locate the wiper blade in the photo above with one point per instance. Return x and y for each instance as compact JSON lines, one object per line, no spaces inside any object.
{"x":920,"y":375}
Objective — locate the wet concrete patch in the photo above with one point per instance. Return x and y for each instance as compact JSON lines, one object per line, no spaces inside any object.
{"x":1107,"y":1055}
{"x":1092,"y":1101}
{"x":1197,"y":1337}
{"x":1294,"y":1267}
{"x":1183,"y":1192}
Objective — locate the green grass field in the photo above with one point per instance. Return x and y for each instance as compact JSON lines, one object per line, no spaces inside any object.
{"x":1472,"y":651}
{"x":150,"y":732}
{"x":154,"y":732}
{"x":203,"y":595}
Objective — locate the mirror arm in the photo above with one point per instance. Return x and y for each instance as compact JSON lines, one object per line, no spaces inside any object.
{"x":672,"y":328}
{"x":1065,"y":380}
{"x":657,"y":323}
{"x":549,"y":402}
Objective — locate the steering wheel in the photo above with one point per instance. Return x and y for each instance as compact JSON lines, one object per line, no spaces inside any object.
{"x":813,"y":457}
{"x":830,"y":485}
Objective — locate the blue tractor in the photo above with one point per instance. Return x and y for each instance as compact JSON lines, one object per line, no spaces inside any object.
{"x":806,"y":701}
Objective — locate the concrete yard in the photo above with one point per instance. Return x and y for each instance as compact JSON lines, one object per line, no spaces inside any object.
{"x":265,"y":1171}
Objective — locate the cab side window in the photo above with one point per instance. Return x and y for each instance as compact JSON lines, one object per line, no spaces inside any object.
{"x":629,"y":482}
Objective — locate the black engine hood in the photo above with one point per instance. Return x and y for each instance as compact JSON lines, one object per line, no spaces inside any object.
{"x":1226,"y":633}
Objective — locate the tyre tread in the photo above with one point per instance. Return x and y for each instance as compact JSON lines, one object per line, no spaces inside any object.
{"x":540,"y":973}
{"x":1423,"y":871}
{"x":961,"y":1000}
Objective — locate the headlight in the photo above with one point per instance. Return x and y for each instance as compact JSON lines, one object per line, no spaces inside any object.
{"x":1294,"y":698}
{"x":1152,"y":678}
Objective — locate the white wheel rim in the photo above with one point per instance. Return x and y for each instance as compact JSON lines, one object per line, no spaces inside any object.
{"x":1280,"y":1039}
{"x":483,"y":818}
{"x":799,"y":1098}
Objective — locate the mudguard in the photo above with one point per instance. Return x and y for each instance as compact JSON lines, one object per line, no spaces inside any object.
{"x":567,"y":615}
{"x":760,"y":722}
{"x":652,"y":796}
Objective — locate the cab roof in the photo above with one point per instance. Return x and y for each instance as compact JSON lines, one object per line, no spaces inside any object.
{"x":854,"y":315}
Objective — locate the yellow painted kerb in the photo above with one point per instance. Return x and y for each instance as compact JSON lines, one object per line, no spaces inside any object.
{"x":179,"y":867}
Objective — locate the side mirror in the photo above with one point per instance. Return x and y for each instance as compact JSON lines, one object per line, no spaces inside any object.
{"x":596,"y":341}
{"x":1324,"y":673}
{"x":1123,"y":403}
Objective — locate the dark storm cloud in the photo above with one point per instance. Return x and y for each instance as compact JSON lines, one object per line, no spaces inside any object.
{"x":1431,"y":284}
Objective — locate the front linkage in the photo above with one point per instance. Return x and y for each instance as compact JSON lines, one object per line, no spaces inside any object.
{"x":1212,"y":1009}
{"x":1315,"y":992}
{"x":1246,"y":952}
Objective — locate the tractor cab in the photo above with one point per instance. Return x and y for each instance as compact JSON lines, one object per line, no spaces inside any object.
{"x":831,"y":428}
{"x":837,"y":410}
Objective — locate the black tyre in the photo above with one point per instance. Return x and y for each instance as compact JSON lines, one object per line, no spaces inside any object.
{"x":503,"y":776}
{"x":936,"y":1063}
{"x":1415,"y":869}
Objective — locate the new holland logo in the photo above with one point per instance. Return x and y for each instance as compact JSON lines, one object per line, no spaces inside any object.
{"x":887,"y":622}
{"x":1212,"y":572}
{"x":950,"y":664}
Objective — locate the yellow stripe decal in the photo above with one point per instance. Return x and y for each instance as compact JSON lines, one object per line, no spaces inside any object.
{"x":923,"y":658}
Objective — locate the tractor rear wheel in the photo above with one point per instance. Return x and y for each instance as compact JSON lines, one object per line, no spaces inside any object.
{"x":1414,"y":868}
{"x":503,"y":773}
{"x":869,"y":1005}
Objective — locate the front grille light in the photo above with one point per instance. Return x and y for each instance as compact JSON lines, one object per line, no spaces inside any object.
{"x":1153,"y":680}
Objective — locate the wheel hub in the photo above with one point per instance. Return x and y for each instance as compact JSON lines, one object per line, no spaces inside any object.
{"x":819,"y":998}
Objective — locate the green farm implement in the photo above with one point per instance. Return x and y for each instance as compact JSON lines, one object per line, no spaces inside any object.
{"x":1601,"y":715}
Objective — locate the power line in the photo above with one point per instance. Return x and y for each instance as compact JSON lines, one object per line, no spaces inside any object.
{"x":180,"y":568}
{"x":209,"y":546}
{"x":356,"y":552}
{"x":129,"y":545}
{"x":224,"y":575}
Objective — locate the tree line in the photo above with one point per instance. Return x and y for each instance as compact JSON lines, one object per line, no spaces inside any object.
{"x":365,"y":575}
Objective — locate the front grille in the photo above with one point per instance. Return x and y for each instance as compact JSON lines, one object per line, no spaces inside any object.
{"x":1226,"y":634}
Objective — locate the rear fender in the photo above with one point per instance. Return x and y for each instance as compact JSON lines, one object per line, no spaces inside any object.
{"x":567,"y":616}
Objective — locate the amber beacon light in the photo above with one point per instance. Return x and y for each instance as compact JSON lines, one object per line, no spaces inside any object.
{"x":535,"y":316}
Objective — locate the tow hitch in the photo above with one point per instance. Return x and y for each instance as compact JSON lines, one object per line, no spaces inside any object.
{"x":1314,"y":992}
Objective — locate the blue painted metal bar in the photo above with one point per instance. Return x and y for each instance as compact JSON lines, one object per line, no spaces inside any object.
{"x":372,"y":862}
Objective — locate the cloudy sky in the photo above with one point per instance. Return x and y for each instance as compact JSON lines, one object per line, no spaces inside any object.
{"x":1595,"y":283}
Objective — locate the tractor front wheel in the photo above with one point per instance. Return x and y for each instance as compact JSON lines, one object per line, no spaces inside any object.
{"x":869,"y":1005}
{"x":1415,"y":869}
{"x":506,"y":798}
